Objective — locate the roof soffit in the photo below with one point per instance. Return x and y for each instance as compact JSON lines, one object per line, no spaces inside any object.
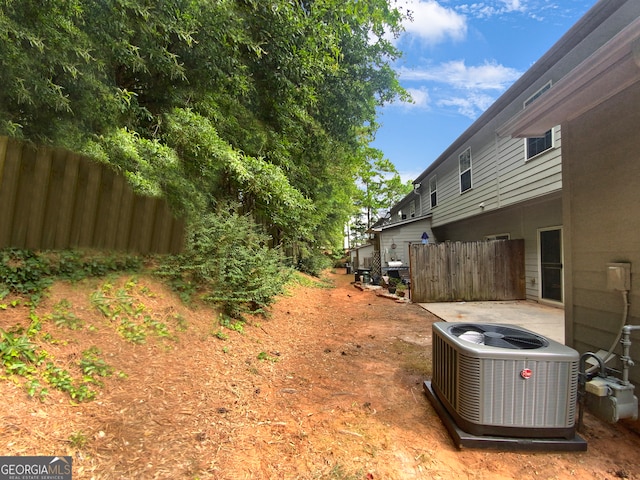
{"x":612,"y":68}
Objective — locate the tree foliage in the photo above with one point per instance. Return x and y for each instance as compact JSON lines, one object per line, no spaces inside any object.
{"x":380,"y":188}
{"x":264,"y":103}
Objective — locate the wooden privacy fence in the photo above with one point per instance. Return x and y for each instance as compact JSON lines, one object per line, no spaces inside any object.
{"x":55,"y":199}
{"x":457,"y":271}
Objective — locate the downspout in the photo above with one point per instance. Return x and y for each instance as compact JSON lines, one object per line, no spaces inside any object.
{"x":416,"y":187}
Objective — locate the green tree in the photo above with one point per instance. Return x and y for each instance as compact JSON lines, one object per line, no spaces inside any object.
{"x":266,"y":104}
{"x":380,"y":188}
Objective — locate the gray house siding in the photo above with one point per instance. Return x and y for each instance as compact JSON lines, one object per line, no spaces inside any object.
{"x":520,"y":180}
{"x":512,"y":194}
{"x":597,"y":105}
{"x":603,"y":223}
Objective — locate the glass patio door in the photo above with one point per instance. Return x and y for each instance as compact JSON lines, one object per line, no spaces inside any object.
{"x":550,"y":241}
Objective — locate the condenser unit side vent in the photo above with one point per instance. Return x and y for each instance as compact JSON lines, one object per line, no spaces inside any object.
{"x":470,"y":398}
{"x":445,"y":370}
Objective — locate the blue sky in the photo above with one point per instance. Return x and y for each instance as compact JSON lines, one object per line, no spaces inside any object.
{"x":458,"y":58}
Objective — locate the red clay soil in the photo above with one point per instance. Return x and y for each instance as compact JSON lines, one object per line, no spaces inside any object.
{"x":329,"y":386}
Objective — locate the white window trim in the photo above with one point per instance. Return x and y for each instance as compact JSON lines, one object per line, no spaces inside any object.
{"x":470,"y":170}
{"x":538,"y":155}
{"x":435,"y":190}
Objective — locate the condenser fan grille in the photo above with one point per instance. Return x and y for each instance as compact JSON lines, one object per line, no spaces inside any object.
{"x":498,"y":336}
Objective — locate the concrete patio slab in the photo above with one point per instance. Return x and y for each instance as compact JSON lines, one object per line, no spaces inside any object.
{"x":542,"y":319}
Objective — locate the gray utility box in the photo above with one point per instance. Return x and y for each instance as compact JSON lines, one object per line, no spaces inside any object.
{"x":619,"y":276}
{"x":610,"y":399}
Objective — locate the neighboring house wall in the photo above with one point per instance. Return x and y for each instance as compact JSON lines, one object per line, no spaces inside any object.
{"x":402,"y":235}
{"x":602,"y":201}
{"x":362,"y":257}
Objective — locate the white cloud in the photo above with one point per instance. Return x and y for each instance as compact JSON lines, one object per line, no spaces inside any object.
{"x":470,"y":106}
{"x":534,"y":9}
{"x":514,"y":6}
{"x":487,"y":76}
{"x":420,"y":96}
{"x":466,"y":89}
{"x":433,"y":23}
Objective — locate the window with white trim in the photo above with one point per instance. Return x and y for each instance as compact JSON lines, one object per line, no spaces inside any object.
{"x":412,"y":209}
{"x":433,"y":191}
{"x":536,"y":145}
{"x":464,"y":160}
{"x":498,"y":236}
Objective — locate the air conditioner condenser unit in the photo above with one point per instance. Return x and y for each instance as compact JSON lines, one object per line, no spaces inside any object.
{"x":500,"y":385}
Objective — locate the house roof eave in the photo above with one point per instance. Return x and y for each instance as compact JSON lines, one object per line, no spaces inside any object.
{"x":612,"y":68}
{"x":405,"y":222}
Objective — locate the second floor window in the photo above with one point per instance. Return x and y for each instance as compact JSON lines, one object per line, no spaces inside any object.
{"x":412,"y":209}
{"x":536,"y":145}
{"x":433,"y":191}
{"x":465,"y":170}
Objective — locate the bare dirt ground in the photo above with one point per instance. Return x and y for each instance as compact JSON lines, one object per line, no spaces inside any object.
{"x":329,"y":386}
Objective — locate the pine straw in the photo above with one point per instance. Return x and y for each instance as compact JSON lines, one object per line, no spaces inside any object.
{"x":328,"y":387}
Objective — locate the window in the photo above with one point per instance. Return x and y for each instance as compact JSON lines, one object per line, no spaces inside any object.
{"x":412,"y":209}
{"x":465,"y":170}
{"x":433,"y":191}
{"x":499,"y":236}
{"x":536,"y":145}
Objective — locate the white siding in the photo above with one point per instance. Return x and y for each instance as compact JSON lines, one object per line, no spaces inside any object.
{"x":361,"y":257}
{"x":402,"y":236}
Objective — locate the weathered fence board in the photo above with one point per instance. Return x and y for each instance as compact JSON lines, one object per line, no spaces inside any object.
{"x":8,"y":189}
{"x":456,"y":271}
{"x":55,"y":199}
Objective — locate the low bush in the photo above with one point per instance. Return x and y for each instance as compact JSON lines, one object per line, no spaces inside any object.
{"x":227,"y":261}
{"x":314,"y":263}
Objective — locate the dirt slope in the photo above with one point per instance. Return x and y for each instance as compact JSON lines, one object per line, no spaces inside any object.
{"x":330,"y":386}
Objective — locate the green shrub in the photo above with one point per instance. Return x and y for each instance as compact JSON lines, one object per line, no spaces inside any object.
{"x":23,"y":272}
{"x":314,"y":263}
{"x":228,"y":261}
